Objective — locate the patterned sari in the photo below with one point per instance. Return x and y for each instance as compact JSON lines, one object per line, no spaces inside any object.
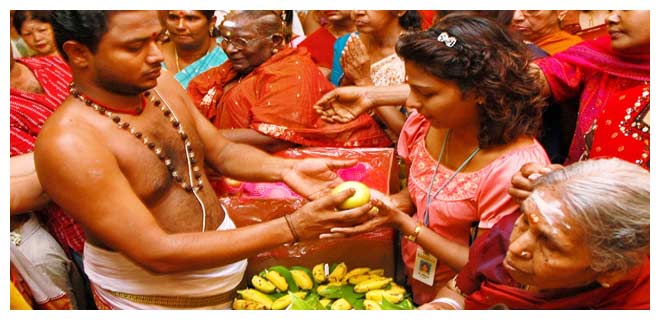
{"x":592,"y":71}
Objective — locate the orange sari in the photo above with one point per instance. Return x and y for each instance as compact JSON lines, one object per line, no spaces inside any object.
{"x":276,"y":99}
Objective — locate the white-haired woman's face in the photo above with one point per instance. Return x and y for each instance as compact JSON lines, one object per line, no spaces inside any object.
{"x":547,"y":248}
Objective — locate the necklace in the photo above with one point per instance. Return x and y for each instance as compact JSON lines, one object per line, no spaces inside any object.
{"x":638,"y":122}
{"x":195,"y":182}
{"x":429,"y":195}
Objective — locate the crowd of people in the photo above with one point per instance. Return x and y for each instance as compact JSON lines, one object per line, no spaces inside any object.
{"x":524,"y":149}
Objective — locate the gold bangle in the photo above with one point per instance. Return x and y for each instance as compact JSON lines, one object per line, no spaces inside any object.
{"x":413,"y":237}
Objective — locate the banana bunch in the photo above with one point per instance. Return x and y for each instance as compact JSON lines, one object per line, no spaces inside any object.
{"x":324,"y":287}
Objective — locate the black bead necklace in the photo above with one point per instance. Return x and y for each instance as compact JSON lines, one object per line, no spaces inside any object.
{"x":195,"y":182}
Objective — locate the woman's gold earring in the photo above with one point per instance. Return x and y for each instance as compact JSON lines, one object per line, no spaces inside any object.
{"x":211,"y":29}
{"x":275,"y":50}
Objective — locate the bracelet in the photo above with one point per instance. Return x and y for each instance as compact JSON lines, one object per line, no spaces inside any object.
{"x":451,"y":302}
{"x":296,"y":238}
{"x":413,"y":237}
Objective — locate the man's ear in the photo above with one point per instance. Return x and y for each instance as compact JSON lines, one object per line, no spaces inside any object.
{"x":278,"y":40}
{"x":77,"y":53}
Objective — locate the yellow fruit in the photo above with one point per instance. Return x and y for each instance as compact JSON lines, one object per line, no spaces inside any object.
{"x":363,"y":277}
{"x":242,"y":304}
{"x":340,"y":304}
{"x":355,"y":272}
{"x":397,"y":288}
{"x":278,"y":280}
{"x":371,"y":305}
{"x":325,"y":302}
{"x":338,"y":274}
{"x":262,"y":284}
{"x":319,"y":272}
{"x":302,"y":279}
{"x":284,"y":301}
{"x":256,"y":296}
{"x":361,"y":196}
{"x":378,"y":295}
{"x":371,"y":285}
{"x":378,"y":272}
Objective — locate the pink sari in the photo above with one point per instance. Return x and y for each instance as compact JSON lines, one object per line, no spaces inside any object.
{"x":592,"y":70}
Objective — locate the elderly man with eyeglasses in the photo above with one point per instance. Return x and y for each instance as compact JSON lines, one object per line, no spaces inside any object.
{"x":263,"y":95}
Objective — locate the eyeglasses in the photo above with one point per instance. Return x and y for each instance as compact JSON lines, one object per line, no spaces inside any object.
{"x":238,"y":43}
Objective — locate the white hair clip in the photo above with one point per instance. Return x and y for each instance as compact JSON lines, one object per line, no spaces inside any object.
{"x":447,"y":40}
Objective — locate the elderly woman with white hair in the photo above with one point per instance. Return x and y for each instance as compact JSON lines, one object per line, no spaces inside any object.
{"x":580,"y":242}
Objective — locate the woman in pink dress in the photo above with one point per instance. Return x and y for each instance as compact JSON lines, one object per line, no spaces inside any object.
{"x":476,"y":111}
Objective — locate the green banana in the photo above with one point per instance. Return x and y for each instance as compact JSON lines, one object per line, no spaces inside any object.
{"x":371,"y":305}
{"x":337,"y":275}
{"x":340,"y":304}
{"x":319,"y":272}
{"x":354,"y":272}
{"x":369,"y":285}
{"x":256,"y":296}
{"x":285,"y":300}
{"x":302,"y":279}
{"x":262,"y":284}
{"x":242,"y":304}
{"x":286,"y":274}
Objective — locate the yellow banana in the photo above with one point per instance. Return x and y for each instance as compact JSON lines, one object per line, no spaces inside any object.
{"x":371,"y":305}
{"x":340,"y":304}
{"x":369,"y":285}
{"x":319,"y":272}
{"x":262,"y":284}
{"x":378,"y":295}
{"x":242,"y":304}
{"x":397,"y":288}
{"x":302,"y":279}
{"x":325,"y":302}
{"x":338,"y":274}
{"x":354,"y":272}
{"x":256,"y":296}
{"x":378,"y":272}
{"x":363,"y":277}
{"x":278,"y":280}
{"x":285,"y":300}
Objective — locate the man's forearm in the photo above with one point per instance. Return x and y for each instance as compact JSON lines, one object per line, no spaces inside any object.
{"x":247,"y":163}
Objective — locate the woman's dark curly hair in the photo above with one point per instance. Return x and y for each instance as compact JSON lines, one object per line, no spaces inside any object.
{"x":486,"y":61}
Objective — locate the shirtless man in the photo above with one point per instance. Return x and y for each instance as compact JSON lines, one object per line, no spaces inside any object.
{"x":125,"y":155}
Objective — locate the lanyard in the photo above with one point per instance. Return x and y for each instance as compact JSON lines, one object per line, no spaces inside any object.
{"x":430,"y":197}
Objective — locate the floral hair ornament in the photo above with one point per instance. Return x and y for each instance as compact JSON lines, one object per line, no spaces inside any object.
{"x":446,"y":39}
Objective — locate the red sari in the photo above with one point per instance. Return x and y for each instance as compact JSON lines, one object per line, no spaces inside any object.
{"x":623,"y":129}
{"x":486,"y":283}
{"x":276,"y":99}
{"x":591,"y":71}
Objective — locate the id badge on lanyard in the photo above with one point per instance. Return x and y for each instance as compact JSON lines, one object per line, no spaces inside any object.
{"x":424,"y":270}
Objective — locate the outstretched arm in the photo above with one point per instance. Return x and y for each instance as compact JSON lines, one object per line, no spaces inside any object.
{"x":345,"y":104}
{"x":83,"y":176}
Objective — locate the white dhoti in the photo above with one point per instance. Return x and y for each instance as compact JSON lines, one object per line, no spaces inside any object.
{"x":120,"y":283}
